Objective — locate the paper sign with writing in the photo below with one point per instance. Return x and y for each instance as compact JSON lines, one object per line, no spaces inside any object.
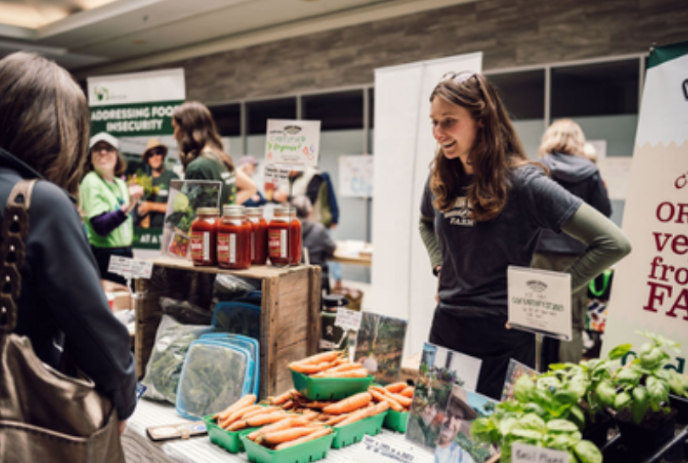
{"x":540,"y":302}
{"x":293,"y":145}
{"x":274,"y":178}
{"x":141,"y":269}
{"x":120,"y":266}
{"x":348,"y":319}
{"x":372,"y":450}
{"x":522,"y":453}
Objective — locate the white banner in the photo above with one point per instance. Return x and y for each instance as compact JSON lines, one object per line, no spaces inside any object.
{"x":138,"y":87}
{"x":292,"y":145}
{"x":404,"y":146}
{"x":649,"y":291}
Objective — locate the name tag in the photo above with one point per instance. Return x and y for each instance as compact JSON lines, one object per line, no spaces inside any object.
{"x":225,"y":174}
{"x":163,"y":192}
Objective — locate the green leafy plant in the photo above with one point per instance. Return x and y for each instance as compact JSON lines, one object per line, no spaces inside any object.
{"x":645,"y":384}
{"x":510,"y":424}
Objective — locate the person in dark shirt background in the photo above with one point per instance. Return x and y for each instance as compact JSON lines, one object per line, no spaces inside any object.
{"x":315,"y":238}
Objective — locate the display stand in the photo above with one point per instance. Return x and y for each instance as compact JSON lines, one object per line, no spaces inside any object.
{"x":290,"y":314}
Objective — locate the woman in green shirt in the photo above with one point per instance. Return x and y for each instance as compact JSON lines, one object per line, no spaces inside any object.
{"x":106,"y":202}
{"x":203,"y":156}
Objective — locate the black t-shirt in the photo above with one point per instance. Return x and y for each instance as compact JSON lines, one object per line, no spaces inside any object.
{"x":163,"y":184}
{"x":476,"y":255}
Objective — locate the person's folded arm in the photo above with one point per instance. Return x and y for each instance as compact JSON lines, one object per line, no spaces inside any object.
{"x":427,"y":234}
{"x":607,"y":244}
{"x":106,"y":222}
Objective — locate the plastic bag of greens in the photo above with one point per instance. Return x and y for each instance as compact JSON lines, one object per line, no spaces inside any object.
{"x":172,"y":341}
{"x":229,"y":287}
{"x":186,"y":312}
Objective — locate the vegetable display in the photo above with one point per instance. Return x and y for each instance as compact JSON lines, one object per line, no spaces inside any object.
{"x":329,"y":365}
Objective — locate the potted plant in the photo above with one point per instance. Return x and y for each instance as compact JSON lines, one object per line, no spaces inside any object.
{"x":642,"y":405}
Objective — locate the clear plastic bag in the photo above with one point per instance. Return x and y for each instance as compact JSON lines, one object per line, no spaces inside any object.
{"x":172,"y":341}
{"x":185,"y":312}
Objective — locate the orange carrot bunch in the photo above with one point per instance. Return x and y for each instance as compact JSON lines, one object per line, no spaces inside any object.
{"x":289,"y":432}
{"x":329,"y":365}
{"x":397,"y":396}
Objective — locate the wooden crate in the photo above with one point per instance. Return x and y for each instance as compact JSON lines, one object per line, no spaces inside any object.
{"x":290,"y":314}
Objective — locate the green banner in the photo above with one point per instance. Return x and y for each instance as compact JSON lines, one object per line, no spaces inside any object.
{"x":132,"y":120}
{"x":660,"y":55}
{"x":147,"y":238}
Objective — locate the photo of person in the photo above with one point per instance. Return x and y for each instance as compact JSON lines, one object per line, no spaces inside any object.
{"x":379,"y":346}
{"x":454,"y":444}
{"x":516,"y":370}
{"x":440,"y":370}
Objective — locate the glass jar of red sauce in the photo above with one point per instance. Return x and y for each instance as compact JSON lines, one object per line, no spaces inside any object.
{"x":204,"y":236}
{"x":284,"y":237}
{"x":234,"y":239}
{"x":259,"y":235}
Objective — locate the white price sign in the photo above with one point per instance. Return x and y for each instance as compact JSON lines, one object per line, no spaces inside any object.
{"x":141,"y":269}
{"x":522,"y":453}
{"x":373,"y":450}
{"x":540,"y":302}
{"x":130,"y":268}
{"x":120,"y":266}
{"x":348,"y":319}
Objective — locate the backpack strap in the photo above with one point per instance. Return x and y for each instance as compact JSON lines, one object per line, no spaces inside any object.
{"x":15,"y":228}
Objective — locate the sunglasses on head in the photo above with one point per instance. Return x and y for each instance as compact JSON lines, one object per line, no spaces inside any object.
{"x":458,"y":77}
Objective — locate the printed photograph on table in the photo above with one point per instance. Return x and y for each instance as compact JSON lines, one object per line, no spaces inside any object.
{"x":454,"y":444}
{"x":516,"y":370}
{"x":380,"y":345}
{"x":440,"y":370}
{"x":186,"y":196}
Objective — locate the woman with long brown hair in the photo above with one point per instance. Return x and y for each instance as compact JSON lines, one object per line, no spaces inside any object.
{"x":483,"y":208}
{"x":44,"y":130}
{"x":203,"y":156}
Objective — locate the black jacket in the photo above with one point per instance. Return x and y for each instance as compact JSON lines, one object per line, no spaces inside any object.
{"x":62,"y":301}
{"x":580,"y":177}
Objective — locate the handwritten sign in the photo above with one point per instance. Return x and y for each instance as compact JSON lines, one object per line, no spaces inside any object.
{"x":522,"y":453}
{"x":372,"y":450}
{"x":356,"y":176}
{"x":293,"y":145}
{"x":348,"y":319}
{"x":540,"y":302}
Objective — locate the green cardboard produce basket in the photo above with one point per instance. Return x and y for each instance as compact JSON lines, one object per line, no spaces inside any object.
{"x":329,"y":388}
{"x":228,"y":440}
{"x":396,"y":421}
{"x":303,"y":453}
{"x":354,"y":432}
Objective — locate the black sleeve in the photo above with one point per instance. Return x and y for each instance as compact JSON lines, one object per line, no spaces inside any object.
{"x":599,"y":199}
{"x":313,"y":189}
{"x":67,"y":279}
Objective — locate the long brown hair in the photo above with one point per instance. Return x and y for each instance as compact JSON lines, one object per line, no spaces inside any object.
{"x":44,"y":118}
{"x":196,"y":130}
{"x":496,"y":149}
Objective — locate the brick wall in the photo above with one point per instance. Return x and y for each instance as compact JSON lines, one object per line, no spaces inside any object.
{"x":509,"y":32}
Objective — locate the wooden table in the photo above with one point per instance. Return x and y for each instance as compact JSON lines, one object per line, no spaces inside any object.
{"x":346,"y":255}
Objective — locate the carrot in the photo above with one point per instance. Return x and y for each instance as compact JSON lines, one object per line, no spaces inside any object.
{"x":285,"y":423}
{"x":365,"y":413}
{"x":316,"y":404}
{"x":238,"y":414}
{"x":408,"y":392}
{"x":314,"y":435}
{"x":359,"y":373}
{"x":339,"y":368}
{"x":288,"y":405}
{"x":319,"y":358}
{"x":259,"y":411}
{"x":286,"y":435}
{"x":379,"y":389}
{"x":337,"y":419}
{"x":396,"y":387}
{"x":280,"y":399}
{"x":310,"y":414}
{"x":309,"y":369}
{"x":239,"y":404}
{"x":258,"y":420}
{"x":350,"y":404}
{"x":393,"y":404}
{"x":404,"y":401}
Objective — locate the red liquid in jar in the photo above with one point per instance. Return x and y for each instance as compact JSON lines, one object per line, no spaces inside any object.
{"x":203,"y":241}
{"x":259,"y":240}
{"x":282,"y":253}
{"x":234,"y":243}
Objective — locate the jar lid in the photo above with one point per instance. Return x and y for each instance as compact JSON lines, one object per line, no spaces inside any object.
{"x":284,"y":210}
{"x":254,"y":211}
{"x":234,"y":210}
{"x":207,"y":211}
{"x":334,"y":300}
